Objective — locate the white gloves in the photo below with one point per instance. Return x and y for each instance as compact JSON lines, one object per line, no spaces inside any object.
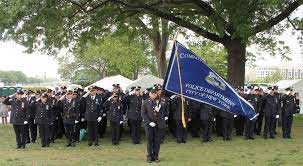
{"x":166,"y":118}
{"x":82,"y":119}
{"x":76,"y":121}
{"x":214,"y":119}
{"x":121,"y":122}
{"x":157,"y":108}
{"x":34,"y":121}
{"x":25,"y":122}
{"x":173,"y":96}
{"x":109,"y":98}
{"x":99,"y":119}
{"x":152,"y":124}
{"x":104,"y":115}
{"x":131,"y":92}
{"x":277,"y":116}
{"x":235,"y":116}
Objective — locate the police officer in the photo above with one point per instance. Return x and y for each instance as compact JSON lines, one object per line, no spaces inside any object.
{"x":181,"y":131}
{"x":19,"y":117}
{"x":53,"y":127}
{"x":288,"y":110}
{"x":117,"y":90}
{"x":206,"y":114}
{"x":114,"y":109}
{"x":164,"y":103}
{"x":32,"y":115}
{"x":93,"y":116}
{"x":259,"y":110}
{"x":194,"y":125}
{"x":70,"y":115}
{"x":271,"y":104}
{"x":239,"y":120}
{"x":252,"y":98}
{"x":102,"y":96}
{"x":153,"y":115}
{"x":133,"y":101}
{"x":44,"y":119}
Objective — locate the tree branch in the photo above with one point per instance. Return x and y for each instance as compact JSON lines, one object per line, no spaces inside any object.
{"x":175,"y":19}
{"x":275,"y":20}
{"x":293,"y":25}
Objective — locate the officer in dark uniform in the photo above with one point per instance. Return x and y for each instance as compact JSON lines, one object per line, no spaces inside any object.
{"x":288,"y":110}
{"x":44,"y":119}
{"x":133,"y":101}
{"x":93,"y":116}
{"x":53,"y":127}
{"x":28,"y":97}
{"x":18,"y":117}
{"x":207,"y":120}
{"x":70,"y":115}
{"x":114,"y":109}
{"x":252,"y":98}
{"x":260,"y":111}
{"x":102,"y":96}
{"x":117,"y":89}
{"x":239,"y":120}
{"x":164,"y":103}
{"x":181,"y":131}
{"x":194,"y":125}
{"x":153,"y":115}
{"x":271,"y":104}
{"x":227,"y":124}
{"x":31,"y":117}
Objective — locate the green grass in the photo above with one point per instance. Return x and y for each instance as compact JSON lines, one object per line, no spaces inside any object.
{"x":238,"y":152}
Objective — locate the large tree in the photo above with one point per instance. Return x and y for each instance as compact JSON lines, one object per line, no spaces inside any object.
{"x":233,"y":23}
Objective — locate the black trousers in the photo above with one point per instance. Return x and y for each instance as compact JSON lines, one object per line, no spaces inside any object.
{"x":92,"y":132}
{"x":258,"y":124}
{"x":102,"y":127}
{"x":219,"y":126}
{"x":44,"y":134}
{"x":249,"y":128}
{"x":115,"y":127}
{"x":20,"y":135}
{"x":76,"y":132}
{"x":54,"y":130}
{"x":153,"y":136}
{"x":26,"y":128}
{"x":61,"y":130}
{"x":227,"y":127}
{"x":194,"y":127}
{"x":33,"y":130}
{"x":181,"y":132}
{"x":69,"y":132}
{"x":206,"y":126}
{"x":135,"y":130}
{"x":239,"y":125}
{"x":269,"y":126}
{"x":286,"y":125}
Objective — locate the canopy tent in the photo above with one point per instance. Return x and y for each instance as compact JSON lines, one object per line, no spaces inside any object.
{"x":297,"y":86}
{"x":73,"y":86}
{"x":107,"y":82}
{"x":146,"y":82}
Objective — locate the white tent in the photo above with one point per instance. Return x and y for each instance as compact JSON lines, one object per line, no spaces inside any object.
{"x":107,"y":82}
{"x":146,"y":82}
{"x":297,"y":86}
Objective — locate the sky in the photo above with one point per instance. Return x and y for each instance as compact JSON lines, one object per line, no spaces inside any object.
{"x":12,"y":57}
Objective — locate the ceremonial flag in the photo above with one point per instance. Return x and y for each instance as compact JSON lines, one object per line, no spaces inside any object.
{"x":189,"y":76}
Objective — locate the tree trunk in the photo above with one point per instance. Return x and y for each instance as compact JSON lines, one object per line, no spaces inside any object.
{"x":236,"y":62}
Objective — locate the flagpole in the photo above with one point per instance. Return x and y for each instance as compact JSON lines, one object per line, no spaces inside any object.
{"x":180,"y":80}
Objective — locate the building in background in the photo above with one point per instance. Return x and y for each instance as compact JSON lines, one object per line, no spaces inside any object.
{"x":287,"y":71}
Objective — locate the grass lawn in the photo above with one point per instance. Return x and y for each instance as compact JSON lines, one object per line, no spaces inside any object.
{"x":237,"y":152}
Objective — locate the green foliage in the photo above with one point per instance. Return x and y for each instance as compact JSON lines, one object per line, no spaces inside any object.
{"x":215,"y":56}
{"x":107,"y":56}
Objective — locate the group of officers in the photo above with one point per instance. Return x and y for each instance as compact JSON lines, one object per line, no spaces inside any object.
{"x":66,"y":111}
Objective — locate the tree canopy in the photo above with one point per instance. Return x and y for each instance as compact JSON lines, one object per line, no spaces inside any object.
{"x":50,"y":25}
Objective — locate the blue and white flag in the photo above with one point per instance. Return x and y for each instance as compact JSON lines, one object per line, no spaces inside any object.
{"x":199,"y":82}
